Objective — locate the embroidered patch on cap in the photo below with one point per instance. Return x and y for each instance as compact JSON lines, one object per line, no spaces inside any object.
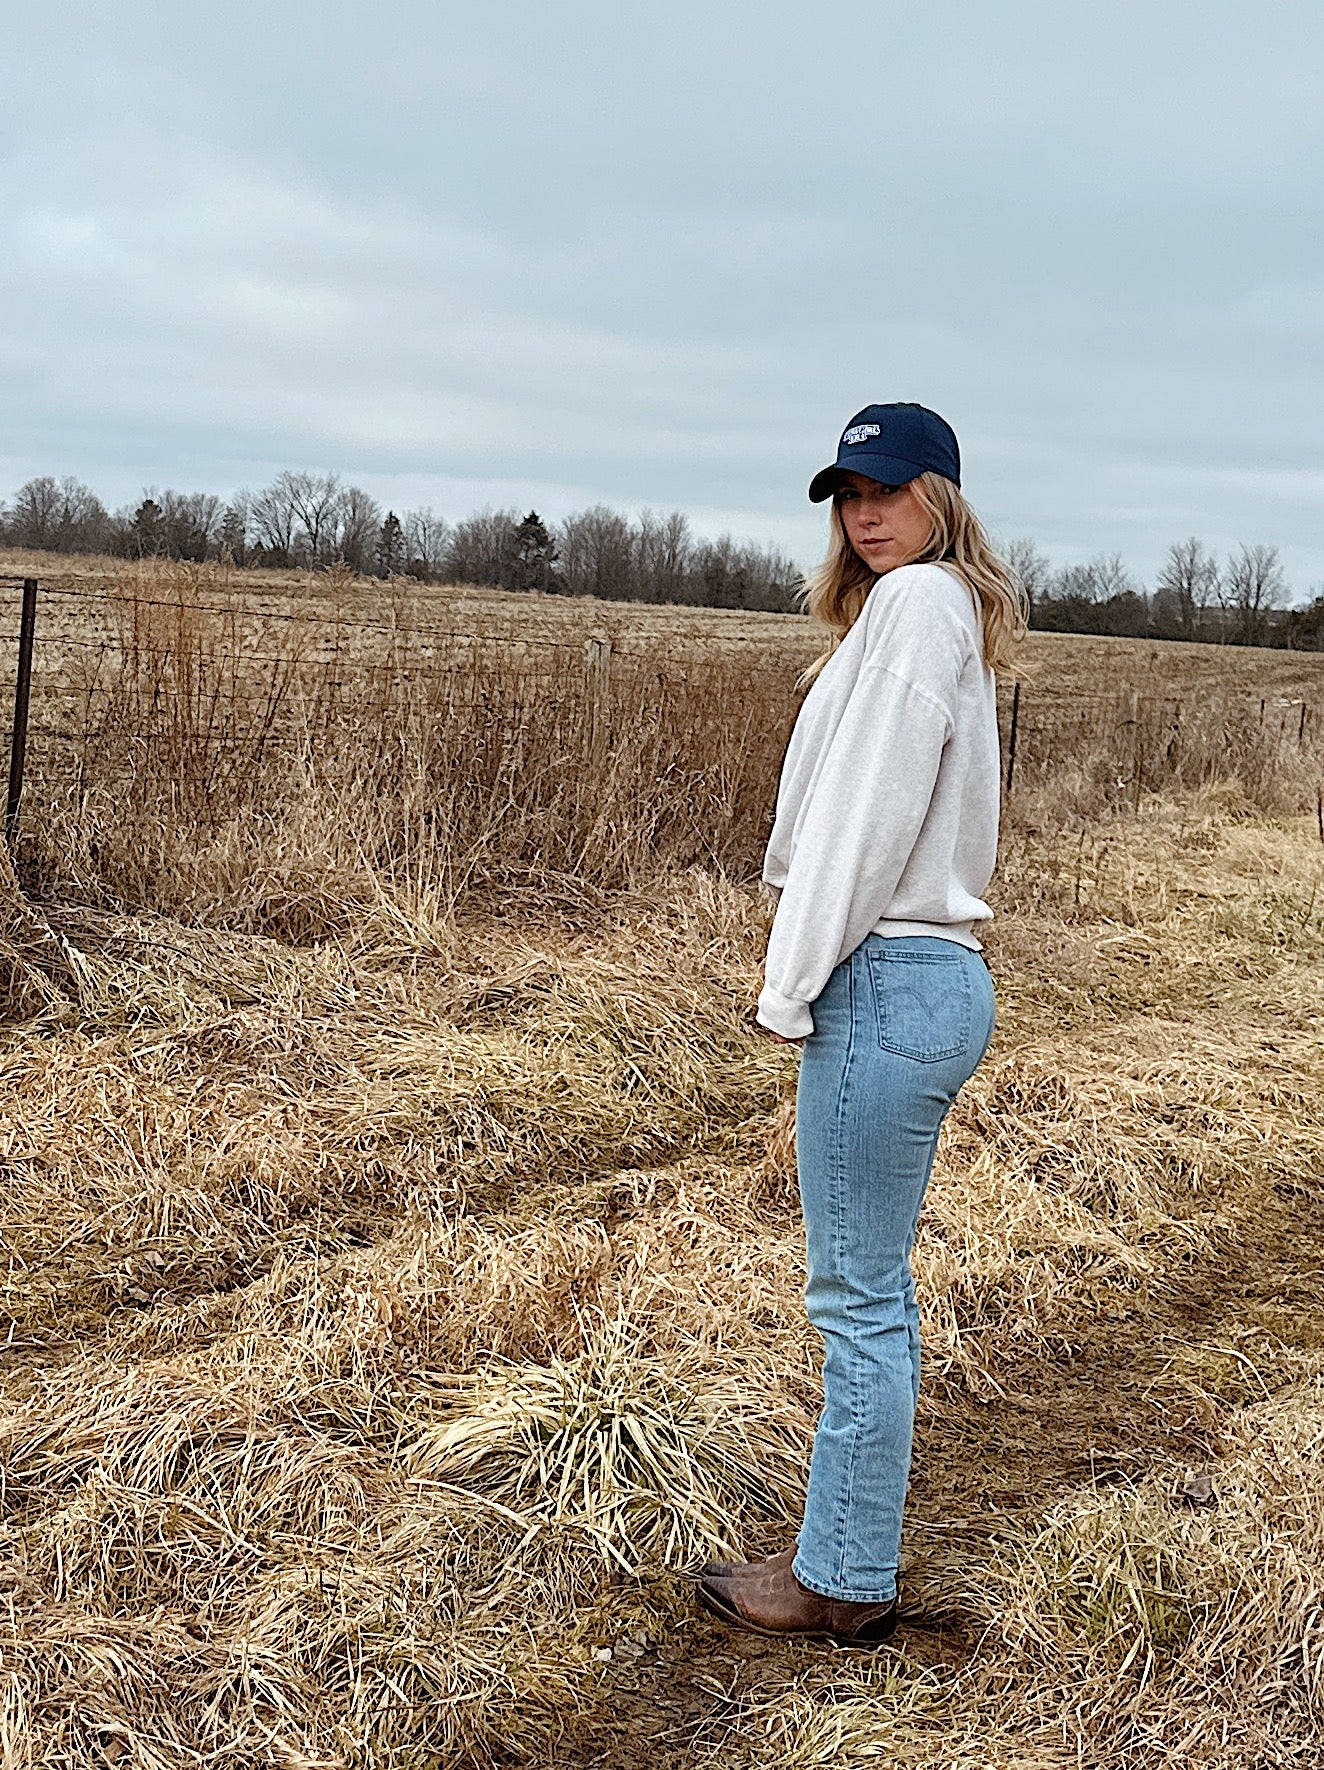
{"x":859,"y":433}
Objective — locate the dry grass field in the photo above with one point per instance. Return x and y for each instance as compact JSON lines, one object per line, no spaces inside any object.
{"x":403,"y":1263}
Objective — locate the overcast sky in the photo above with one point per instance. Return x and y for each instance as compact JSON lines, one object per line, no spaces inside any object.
{"x":545,"y":255}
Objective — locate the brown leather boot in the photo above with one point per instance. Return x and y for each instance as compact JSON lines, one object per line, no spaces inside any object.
{"x":725,"y":1569}
{"x":769,"y":1600}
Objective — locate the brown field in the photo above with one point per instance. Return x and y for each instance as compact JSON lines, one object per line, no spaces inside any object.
{"x":403,"y":1257}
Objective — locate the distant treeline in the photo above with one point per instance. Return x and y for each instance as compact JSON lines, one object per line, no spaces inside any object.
{"x":1242,"y":600}
{"x":314,"y":521}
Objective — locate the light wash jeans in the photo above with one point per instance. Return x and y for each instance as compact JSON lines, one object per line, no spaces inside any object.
{"x":900,"y":1025}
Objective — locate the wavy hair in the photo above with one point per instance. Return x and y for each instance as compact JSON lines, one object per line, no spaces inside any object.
{"x":835,"y":591}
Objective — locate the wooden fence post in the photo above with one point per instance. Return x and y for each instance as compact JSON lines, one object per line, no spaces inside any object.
{"x":597,"y":684}
{"x":18,"y":742}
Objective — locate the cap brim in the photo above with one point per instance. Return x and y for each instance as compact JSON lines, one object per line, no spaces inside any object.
{"x":888,"y":470}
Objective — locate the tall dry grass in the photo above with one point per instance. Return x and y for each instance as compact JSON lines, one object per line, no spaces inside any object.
{"x":275,"y":772}
{"x":403,"y":1265}
{"x":277,"y":767}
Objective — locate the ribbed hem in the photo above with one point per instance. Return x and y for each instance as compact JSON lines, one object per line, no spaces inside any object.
{"x":963,"y":933}
{"x":784,"y":1014}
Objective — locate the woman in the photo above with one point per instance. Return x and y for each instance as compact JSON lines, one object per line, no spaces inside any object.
{"x":883,"y":844}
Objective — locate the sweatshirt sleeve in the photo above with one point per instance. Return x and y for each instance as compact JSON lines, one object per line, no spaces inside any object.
{"x":856,"y":833}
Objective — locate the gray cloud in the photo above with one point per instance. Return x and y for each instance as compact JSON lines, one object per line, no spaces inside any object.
{"x":554,"y":255}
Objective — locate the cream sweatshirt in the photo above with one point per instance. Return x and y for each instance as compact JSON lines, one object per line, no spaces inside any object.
{"x":887,"y":806}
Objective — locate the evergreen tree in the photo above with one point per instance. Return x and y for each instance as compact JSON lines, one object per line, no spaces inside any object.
{"x":390,"y":546}
{"x":535,"y":555}
{"x":1305,"y":626}
{"x":147,"y":530}
{"x":232,"y":542}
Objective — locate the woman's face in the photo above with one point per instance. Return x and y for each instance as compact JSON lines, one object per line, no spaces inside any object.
{"x":886,"y":525}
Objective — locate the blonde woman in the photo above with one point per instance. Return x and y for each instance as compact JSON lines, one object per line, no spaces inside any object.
{"x":882,"y":847}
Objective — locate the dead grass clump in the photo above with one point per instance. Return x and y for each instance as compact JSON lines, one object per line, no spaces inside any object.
{"x":364,"y":1655}
{"x":891,"y":1708}
{"x":240,"y":1117}
{"x":654,"y":1461}
{"x":1137,"y":1595}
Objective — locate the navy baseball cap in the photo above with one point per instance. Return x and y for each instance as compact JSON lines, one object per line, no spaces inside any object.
{"x":894,"y":444}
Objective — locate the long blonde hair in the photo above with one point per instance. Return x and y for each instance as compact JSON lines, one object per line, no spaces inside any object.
{"x":835,"y":591}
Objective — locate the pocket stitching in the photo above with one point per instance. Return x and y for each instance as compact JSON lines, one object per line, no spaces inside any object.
{"x":880,"y":1017}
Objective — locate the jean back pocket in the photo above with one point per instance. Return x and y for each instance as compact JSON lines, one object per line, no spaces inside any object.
{"x":921,"y":1002}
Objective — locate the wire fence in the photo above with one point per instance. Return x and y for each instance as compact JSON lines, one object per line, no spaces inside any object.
{"x":125,"y":686}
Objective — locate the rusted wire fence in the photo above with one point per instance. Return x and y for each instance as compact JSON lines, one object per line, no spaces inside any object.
{"x":168,"y":724}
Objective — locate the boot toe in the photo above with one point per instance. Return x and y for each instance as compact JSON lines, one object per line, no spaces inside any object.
{"x":735,"y":1569}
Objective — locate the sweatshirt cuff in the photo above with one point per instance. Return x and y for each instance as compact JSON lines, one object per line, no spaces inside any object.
{"x":784,"y":1014}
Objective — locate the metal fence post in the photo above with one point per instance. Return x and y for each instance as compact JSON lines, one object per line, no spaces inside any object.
{"x":1011,"y":736}
{"x":18,"y":742}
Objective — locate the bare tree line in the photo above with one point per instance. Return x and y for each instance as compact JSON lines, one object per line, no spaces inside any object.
{"x":1241,"y":600}
{"x":315,"y":521}
{"x":300,"y":519}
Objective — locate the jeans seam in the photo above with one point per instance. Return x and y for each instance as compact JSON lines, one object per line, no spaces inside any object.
{"x":850,"y":1470}
{"x":838,"y":1189}
{"x":838,"y":1204}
